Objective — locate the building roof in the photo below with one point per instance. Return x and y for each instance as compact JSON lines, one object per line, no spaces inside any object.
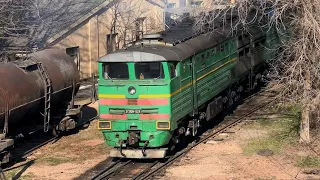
{"x":56,"y":19}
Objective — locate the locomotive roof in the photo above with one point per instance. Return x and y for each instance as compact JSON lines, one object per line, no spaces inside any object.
{"x":174,"y":44}
{"x":162,"y":52}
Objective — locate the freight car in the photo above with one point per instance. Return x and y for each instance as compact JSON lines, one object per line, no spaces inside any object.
{"x":45,"y":83}
{"x":157,"y":92}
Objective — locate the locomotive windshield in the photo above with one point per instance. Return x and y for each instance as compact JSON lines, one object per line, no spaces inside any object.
{"x":115,"y":71}
{"x":149,"y":70}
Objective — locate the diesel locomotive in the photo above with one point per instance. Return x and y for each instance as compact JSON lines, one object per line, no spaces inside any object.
{"x":155,"y":93}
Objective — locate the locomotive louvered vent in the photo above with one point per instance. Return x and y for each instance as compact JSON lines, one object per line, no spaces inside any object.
{"x":132,"y":102}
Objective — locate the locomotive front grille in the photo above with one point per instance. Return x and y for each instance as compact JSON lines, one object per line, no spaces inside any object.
{"x":132,"y":102}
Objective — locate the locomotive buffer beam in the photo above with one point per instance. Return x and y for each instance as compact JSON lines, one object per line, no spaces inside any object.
{"x":139,"y":154}
{"x":144,"y":153}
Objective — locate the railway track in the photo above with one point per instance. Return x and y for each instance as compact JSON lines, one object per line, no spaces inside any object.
{"x":126,"y":169}
{"x":30,"y":145}
{"x":26,"y":146}
{"x":130,"y":169}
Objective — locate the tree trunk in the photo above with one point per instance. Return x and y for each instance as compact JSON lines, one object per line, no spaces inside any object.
{"x":304,"y":125}
{"x":305,"y":116}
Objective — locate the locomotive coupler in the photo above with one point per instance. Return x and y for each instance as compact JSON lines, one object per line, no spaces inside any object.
{"x":144,"y":148}
{"x":133,"y":138}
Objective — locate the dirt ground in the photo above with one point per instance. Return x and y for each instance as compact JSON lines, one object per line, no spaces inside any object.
{"x":236,"y":156}
{"x":67,"y":158}
{"x":232,"y":155}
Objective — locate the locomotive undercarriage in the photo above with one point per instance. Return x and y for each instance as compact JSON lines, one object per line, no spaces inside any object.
{"x":66,"y":119}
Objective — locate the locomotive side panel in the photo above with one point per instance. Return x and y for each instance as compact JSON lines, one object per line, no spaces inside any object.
{"x":182,"y":92}
{"x":213,"y":73}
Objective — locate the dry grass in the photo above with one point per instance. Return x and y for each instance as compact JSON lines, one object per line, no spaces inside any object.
{"x":86,"y":144}
{"x":281,"y":135}
{"x":13,"y":174}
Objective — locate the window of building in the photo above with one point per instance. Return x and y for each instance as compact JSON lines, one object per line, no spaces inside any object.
{"x":74,"y":52}
{"x":115,"y":71}
{"x":139,"y":27}
{"x":171,"y":5}
{"x":111,"y":42}
{"x":196,"y":3}
{"x":149,"y":70}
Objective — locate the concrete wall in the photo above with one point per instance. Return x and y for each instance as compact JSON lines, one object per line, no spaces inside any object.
{"x":91,"y":36}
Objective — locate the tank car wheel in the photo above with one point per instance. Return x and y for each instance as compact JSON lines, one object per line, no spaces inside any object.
{"x":56,"y":132}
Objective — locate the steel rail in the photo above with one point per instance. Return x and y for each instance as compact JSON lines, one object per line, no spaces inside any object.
{"x":107,"y":169}
{"x":30,"y":151}
{"x":146,"y":170}
{"x":108,"y":174}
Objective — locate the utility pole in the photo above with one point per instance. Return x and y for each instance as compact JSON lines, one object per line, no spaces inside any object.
{"x":164,"y":13}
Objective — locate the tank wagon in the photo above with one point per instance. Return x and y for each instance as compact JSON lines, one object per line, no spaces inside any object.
{"x":44,"y":83}
{"x":157,"y":92}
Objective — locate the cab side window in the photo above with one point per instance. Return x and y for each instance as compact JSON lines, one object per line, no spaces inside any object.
{"x":173,"y":70}
{"x":185,"y":69}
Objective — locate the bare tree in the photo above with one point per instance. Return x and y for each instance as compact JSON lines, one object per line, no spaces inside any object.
{"x":128,"y":21}
{"x":30,"y":23}
{"x":13,"y":25}
{"x":296,"y":71}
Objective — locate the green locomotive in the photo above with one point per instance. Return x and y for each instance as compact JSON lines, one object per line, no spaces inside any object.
{"x":158,"y":91}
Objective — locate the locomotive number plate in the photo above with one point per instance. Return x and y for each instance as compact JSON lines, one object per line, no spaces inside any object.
{"x":133,"y":111}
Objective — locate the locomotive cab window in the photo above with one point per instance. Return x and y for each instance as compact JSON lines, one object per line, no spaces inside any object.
{"x":173,"y":70}
{"x":149,"y":70}
{"x":115,"y":71}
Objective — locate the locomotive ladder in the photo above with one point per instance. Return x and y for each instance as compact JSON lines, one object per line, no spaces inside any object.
{"x":47,"y":96}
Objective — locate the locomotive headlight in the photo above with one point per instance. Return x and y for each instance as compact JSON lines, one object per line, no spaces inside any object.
{"x":104,"y":125}
{"x":163,"y":125}
{"x":132,"y":90}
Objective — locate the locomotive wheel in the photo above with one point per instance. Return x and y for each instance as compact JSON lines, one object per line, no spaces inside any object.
{"x":56,"y":132}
